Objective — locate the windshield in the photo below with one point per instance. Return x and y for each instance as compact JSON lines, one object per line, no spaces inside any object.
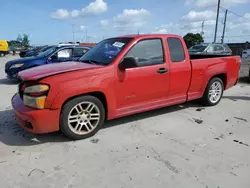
{"x":47,"y":52}
{"x":197,"y":48}
{"x":105,"y":51}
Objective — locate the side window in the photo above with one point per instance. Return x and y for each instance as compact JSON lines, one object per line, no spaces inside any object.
{"x":210,"y":49}
{"x":147,"y":52}
{"x":218,"y":48}
{"x":65,"y":53}
{"x":177,"y":53}
{"x":78,"y":52}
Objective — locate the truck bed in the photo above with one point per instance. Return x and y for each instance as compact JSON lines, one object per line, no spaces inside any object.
{"x":203,"y":69}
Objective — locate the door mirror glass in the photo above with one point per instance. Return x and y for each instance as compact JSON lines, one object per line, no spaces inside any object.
{"x":128,"y":62}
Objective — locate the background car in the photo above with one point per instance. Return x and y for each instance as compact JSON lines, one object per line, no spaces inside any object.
{"x":33,"y":51}
{"x":210,"y":48}
{"x":246,"y":54}
{"x":54,"y":54}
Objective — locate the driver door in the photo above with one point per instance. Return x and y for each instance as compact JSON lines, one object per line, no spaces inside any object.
{"x":146,"y":84}
{"x":62,"y":56}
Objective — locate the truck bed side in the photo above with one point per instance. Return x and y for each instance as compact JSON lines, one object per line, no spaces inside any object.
{"x":204,"y":69}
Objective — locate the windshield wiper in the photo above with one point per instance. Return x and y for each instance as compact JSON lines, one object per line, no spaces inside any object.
{"x":94,"y":62}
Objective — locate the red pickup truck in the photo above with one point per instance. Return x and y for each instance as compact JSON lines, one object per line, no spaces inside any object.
{"x":118,"y":77}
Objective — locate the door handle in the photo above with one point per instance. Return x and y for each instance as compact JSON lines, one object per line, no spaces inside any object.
{"x":162,"y":70}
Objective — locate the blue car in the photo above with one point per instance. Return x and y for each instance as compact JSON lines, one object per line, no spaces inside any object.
{"x":55,"y":54}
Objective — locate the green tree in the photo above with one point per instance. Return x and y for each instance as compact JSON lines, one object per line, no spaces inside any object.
{"x":192,"y":39}
{"x":25,"y":40}
{"x":19,"y":38}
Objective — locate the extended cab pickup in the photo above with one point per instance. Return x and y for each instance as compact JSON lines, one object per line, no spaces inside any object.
{"x":118,"y":77}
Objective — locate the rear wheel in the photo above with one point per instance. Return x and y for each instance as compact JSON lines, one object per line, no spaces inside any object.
{"x":82,"y":117}
{"x":213,"y":92}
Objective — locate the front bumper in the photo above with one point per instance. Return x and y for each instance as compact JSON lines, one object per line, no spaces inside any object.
{"x":35,"y":120}
{"x":12,"y":74}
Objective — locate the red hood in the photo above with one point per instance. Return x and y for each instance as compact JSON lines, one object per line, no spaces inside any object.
{"x":52,"y":69}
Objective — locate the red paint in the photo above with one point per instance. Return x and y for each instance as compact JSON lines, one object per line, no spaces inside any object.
{"x":127,"y":92}
{"x":43,"y":121}
{"x":51,"y":69}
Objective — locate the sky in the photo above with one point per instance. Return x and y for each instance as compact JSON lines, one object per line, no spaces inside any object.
{"x":54,"y":21}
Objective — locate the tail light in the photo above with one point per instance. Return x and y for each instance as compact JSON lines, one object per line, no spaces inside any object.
{"x":35,"y":95}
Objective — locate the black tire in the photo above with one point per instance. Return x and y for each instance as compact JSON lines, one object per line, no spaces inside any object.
{"x":64,"y":126}
{"x":205,"y":99}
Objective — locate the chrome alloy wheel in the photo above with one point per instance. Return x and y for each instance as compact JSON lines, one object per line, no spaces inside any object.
{"x":83,"y":118}
{"x":215,"y":92}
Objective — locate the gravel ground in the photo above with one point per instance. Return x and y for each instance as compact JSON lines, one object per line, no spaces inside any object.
{"x":169,"y":147}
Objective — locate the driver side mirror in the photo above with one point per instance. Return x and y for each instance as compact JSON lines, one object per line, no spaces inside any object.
{"x":128,"y":62}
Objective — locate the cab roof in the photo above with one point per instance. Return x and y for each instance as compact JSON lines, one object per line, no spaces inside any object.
{"x":148,"y":36}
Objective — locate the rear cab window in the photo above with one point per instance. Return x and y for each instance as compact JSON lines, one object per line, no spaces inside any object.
{"x":218,"y":48}
{"x":227,"y":47}
{"x":176,"y":50}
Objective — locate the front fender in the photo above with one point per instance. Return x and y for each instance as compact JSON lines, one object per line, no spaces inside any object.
{"x":69,"y":92}
{"x":35,"y":63}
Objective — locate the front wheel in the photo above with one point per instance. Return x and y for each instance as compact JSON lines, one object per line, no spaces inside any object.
{"x":213,"y":92}
{"x":82,"y":117}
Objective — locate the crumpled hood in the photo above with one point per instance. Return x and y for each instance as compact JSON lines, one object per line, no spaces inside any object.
{"x":52,"y":69}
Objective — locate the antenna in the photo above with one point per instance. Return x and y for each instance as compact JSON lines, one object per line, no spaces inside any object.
{"x":73,"y":32}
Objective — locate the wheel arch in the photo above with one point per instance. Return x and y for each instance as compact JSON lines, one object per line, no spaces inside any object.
{"x":205,"y":98}
{"x":98,"y":94}
{"x":222,"y":76}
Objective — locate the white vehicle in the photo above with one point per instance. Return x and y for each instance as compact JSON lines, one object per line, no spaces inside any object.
{"x":246,"y":54}
{"x":67,"y":44}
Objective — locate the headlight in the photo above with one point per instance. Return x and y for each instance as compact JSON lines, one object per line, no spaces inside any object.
{"x":36,"y":88}
{"x":35,"y":96}
{"x":16,"y":65}
{"x":35,"y":102}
